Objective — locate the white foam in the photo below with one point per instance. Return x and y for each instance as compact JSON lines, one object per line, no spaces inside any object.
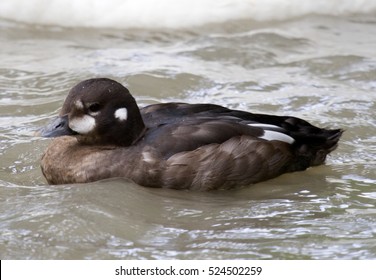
{"x":170,"y":13}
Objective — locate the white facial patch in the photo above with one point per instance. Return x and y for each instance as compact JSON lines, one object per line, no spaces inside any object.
{"x":82,"y":125}
{"x":121,"y":114}
{"x":279,"y":136}
{"x":79,"y":104}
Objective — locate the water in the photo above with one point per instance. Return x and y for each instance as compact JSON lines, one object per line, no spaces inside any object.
{"x":318,"y":67}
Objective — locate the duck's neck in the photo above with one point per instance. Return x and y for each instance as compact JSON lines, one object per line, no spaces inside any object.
{"x":127,"y":135}
{"x":134,"y":130}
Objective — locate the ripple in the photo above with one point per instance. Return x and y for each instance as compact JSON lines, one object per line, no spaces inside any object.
{"x":325,"y":75}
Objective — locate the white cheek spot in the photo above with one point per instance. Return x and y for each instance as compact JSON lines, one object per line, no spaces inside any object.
{"x":279,"y":136}
{"x":82,"y":125}
{"x":121,"y":114}
{"x":79,"y":104}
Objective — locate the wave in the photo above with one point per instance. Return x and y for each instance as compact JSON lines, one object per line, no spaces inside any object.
{"x":170,"y":13}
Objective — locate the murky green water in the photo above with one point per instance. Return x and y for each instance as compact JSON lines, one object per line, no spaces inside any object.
{"x":322,"y":69}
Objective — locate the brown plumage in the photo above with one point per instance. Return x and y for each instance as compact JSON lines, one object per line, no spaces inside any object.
{"x":174,"y":145}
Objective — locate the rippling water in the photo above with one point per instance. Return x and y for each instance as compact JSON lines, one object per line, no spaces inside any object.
{"x":319,"y":68}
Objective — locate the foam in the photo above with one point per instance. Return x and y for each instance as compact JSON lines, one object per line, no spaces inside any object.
{"x":169,"y":13}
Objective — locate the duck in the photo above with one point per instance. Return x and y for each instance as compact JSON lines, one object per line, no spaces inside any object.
{"x":101,"y":133}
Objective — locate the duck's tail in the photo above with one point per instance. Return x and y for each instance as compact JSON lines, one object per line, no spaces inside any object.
{"x":320,"y":151}
{"x":312,"y":149}
{"x":312,"y":144}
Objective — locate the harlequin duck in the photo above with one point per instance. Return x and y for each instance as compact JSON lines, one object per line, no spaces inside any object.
{"x":101,"y":133}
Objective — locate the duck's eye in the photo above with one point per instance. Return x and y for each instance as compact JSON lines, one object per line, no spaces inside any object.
{"x":94,"y":108}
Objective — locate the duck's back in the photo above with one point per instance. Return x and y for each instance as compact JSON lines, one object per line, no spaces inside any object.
{"x":206,"y":146}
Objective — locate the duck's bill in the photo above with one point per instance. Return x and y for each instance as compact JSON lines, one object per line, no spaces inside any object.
{"x":57,"y":127}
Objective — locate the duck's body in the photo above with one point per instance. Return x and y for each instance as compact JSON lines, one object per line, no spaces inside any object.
{"x":175,"y":145}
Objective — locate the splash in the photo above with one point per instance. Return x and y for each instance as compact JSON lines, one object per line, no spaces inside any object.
{"x":169,"y":13}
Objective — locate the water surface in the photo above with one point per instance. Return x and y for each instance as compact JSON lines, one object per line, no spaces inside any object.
{"x":320,"y":68}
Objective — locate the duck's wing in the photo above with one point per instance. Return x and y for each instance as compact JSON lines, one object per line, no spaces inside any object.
{"x":192,"y":133}
{"x":208,"y":153}
{"x":157,"y":114}
{"x":207,"y":146}
{"x":190,"y":126}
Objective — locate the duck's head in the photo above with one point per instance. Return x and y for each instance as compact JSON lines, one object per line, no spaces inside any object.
{"x":98,"y":112}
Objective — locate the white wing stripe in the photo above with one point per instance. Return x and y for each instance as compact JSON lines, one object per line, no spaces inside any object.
{"x":279,"y":136}
{"x":264,"y":125}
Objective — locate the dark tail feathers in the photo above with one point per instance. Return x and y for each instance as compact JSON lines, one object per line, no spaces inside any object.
{"x":314,"y":148}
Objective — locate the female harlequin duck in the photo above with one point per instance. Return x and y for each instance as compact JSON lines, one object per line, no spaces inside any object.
{"x":103,"y":134}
